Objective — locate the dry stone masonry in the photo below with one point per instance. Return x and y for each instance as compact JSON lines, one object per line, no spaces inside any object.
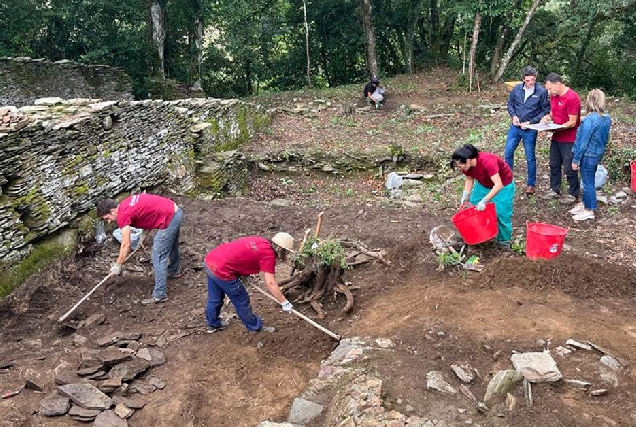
{"x":65,"y":155}
{"x":23,"y":80}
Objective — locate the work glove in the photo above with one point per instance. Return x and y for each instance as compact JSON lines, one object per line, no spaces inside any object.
{"x":287,"y":306}
{"x":482,"y":204}
{"x":464,"y":197}
{"x":115,"y":270}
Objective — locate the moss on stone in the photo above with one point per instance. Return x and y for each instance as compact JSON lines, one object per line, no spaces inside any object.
{"x":81,"y":189}
{"x":43,"y":254}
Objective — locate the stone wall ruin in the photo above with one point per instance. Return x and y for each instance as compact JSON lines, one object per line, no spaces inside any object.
{"x":23,"y":80}
{"x":59,"y":157}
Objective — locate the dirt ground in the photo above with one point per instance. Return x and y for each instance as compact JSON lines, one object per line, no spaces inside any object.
{"x":238,"y":378}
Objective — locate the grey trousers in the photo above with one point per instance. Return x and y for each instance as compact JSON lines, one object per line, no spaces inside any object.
{"x":561,"y":155}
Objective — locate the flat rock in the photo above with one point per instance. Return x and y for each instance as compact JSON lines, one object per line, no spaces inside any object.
{"x":464,"y":372}
{"x":577,"y":344}
{"x":134,"y":403}
{"x":157,"y":382}
{"x":435,"y":380}
{"x":536,"y":367}
{"x":89,"y":358}
{"x":123,"y":411}
{"x":152,"y":355}
{"x":54,"y":404}
{"x":78,"y":411}
{"x":113,"y":355}
{"x":303,"y":411}
{"x":86,"y":396}
{"x":127,"y":371}
{"x":500,"y":385}
{"x":109,"y":419}
{"x":142,"y":388}
{"x":610,"y":362}
{"x":577,"y":383}
{"x":64,"y":373}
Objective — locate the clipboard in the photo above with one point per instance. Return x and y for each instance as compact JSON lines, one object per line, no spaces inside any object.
{"x":545,"y":126}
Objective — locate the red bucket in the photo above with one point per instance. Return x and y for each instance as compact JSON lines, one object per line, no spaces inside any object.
{"x":476,"y":226}
{"x":632,"y":165}
{"x":544,"y":240}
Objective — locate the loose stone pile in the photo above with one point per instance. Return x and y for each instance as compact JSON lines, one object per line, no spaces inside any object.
{"x":351,"y":395}
{"x":107,"y":384}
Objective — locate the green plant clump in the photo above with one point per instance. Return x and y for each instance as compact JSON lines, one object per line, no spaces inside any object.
{"x":449,"y":259}
{"x":326,"y":252}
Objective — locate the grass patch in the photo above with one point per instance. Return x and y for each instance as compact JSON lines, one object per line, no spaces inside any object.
{"x":42,"y":255}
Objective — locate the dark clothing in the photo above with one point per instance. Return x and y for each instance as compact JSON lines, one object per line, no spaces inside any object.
{"x":369,"y":88}
{"x":488,"y":165}
{"x":561,"y":154}
{"x":236,"y":292}
{"x":529,"y":110}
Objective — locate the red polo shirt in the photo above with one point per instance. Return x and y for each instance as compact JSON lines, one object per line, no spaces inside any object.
{"x":147,"y":211}
{"x":242,"y":257}
{"x":489,"y":164}
{"x":562,"y":106}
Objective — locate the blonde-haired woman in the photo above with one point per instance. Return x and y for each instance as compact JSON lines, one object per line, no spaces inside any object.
{"x":588,"y":150}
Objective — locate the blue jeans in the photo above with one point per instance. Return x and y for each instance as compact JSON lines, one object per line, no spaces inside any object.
{"x":504,"y":202}
{"x":234,"y":289}
{"x":165,"y":254}
{"x":588,"y":173}
{"x":529,"y":137}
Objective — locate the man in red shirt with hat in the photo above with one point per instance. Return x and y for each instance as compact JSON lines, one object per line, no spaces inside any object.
{"x":224,"y":266}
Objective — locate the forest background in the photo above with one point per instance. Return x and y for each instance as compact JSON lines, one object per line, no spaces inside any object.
{"x":238,"y":48}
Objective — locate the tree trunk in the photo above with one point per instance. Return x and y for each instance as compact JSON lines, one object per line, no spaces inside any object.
{"x":369,"y":35}
{"x":435,"y":31}
{"x":198,"y":55}
{"x":248,"y":77}
{"x":307,"y":43}
{"x":584,"y":45}
{"x":515,"y":42}
{"x":473,"y":50}
{"x":496,"y":55}
{"x":410,"y":36}
{"x":158,"y":19}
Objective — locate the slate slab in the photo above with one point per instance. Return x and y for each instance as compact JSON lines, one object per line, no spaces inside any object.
{"x":134,"y":403}
{"x":78,"y":411}
{"x":54,"y":404}
{"x":109,"y":419}
{"x":86,"y":396}
{"x":127,"y":371}
{"x":303,"y":411}
{"x":536,"y":367}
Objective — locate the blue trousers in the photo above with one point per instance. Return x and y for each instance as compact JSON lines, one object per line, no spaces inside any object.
{"x":504,"y":201}
{"x":529,"y":137}
{"x":165,"y":254}
{"x":588,"y":174}
{"x":236,"y":292}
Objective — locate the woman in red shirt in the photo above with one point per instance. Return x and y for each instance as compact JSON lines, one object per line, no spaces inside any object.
{"x":488,"y":179}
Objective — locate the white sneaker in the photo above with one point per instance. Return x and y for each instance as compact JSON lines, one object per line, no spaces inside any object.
{"x":585,"y":215}
{"x":577,"y":209}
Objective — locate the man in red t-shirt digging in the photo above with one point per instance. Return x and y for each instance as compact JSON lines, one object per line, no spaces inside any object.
{"x":148,"y":211}
{"x":224,"y":266}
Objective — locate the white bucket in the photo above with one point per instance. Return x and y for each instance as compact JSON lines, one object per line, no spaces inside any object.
{"x":135,"y":236}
